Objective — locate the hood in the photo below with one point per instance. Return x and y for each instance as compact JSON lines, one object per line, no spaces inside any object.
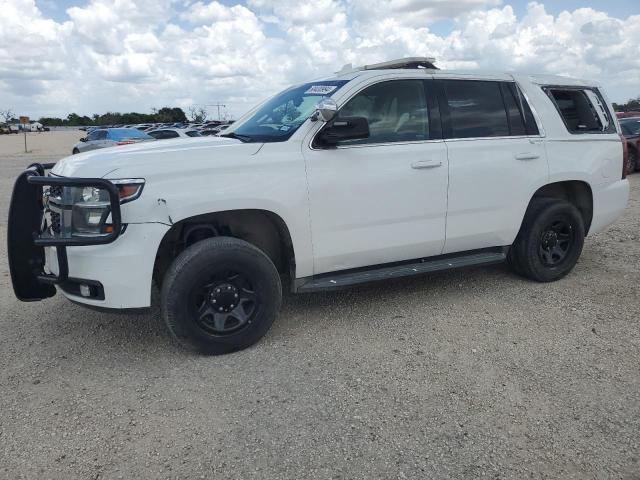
{"x":151,"y":155}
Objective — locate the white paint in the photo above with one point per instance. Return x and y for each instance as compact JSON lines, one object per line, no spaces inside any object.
{"x":351,"y":206}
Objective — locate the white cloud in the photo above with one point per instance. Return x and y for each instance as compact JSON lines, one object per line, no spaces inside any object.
{"x":134,"y":55}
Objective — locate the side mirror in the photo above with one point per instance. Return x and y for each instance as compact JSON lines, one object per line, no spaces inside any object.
{"x":326,"y":109}
{"x":346,"y":128}
{"x":83,"y":139}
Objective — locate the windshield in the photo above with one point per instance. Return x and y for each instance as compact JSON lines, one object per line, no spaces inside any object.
{"x":630,"y":127}
{"x":282,"y":115}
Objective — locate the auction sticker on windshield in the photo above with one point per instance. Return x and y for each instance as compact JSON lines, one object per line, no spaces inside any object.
{"x":320,"y":89}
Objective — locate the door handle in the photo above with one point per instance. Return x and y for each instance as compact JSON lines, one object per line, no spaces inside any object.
{"x":426,"y":164}
{"x":527,"y":156}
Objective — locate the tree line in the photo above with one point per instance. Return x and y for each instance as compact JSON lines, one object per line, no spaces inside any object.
{"x":632,"y":105}
{"x":164,"y":115}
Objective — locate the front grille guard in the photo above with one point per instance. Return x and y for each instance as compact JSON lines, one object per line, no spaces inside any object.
{"x":26,"y":237}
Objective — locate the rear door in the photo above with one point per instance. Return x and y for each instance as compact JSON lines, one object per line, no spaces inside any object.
{"x":496,"y":161}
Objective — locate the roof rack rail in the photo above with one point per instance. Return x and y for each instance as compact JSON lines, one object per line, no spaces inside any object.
{"x":408,"y":62}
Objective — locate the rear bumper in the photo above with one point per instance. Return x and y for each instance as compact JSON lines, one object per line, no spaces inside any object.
{"x":609,"y":202}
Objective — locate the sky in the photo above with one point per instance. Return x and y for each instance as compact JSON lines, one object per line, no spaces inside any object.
{"x":94,"y":56}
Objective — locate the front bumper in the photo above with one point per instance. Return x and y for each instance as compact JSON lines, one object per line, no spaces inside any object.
{"x":39,"y":260}
{"x":28,"y":233}
{"x":123,"y":269}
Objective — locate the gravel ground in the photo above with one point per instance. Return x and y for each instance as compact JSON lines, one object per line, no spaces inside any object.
{"x":464,"y":374}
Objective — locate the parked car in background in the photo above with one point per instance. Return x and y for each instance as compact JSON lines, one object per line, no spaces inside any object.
{"x":627,"y":114}
{"x":165,"y":133}
{"x":110,"y":137}
{"x":631,"y":132}
{"x":206,"y":132}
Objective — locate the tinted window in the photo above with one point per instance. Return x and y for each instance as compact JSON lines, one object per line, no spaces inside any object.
{"x":476,"y":109}
{"x":396,"y":112}
{"x":97,"y":135}
{"x":521,"y":121}
{"x":126,"y":133}
{"x":582,"y":110}
{"x":630,"y":127}
{"x":194,"y":133}
{"x":162,"y":134}
{"x":514,"y":115}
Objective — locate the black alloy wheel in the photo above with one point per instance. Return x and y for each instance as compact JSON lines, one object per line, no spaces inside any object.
{"x":220,"y":295}
{"x":226,"y":303}
{"x":549,"y":242}
{"x":555,"y":243}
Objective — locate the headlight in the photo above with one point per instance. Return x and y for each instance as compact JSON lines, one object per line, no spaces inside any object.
{"x":85,"y":211}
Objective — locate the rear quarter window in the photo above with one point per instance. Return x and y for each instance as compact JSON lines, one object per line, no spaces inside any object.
{"x":583,"y":110}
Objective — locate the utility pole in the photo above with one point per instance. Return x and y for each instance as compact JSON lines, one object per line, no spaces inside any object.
{"x":218,"y":105}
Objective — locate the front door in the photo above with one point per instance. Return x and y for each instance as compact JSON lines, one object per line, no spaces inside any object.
{"x":384,"y":198}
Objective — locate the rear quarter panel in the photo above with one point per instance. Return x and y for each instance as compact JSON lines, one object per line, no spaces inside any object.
{"x":595,"y":159}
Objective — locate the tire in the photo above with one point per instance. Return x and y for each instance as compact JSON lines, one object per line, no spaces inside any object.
{"x":550,"y":241}
{"x":633,"y":162}
{"x":220,"y":295}
{"x":74,"y":151}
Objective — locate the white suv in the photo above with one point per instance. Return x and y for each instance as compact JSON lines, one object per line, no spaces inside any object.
{"x":377,"y":172}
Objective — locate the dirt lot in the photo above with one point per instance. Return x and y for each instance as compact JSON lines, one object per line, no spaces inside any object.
{"x":466,"y":374}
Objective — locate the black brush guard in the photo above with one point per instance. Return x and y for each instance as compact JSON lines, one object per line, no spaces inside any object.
{"x":27,"y":234}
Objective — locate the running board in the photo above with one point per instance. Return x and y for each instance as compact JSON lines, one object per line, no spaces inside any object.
{"x":348,"y":278}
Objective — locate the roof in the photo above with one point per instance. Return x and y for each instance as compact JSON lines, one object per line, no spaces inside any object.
{"x":404,"y":63}
{"x":349,"y":72}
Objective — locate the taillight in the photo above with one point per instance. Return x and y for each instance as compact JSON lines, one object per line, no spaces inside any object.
{"x":625,"y":157}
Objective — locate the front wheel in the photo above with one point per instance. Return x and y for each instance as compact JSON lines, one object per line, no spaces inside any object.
{"x":550,"y":240}
{"x":220,"y":295}
{"x":74,"y":151}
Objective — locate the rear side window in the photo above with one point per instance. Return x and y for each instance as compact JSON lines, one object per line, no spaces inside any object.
{"x":476,"y":109}
{"x":521,"y":120}
{"x":193,"y":133}
{"x":97,"y":135}
{"x":582,"y":110}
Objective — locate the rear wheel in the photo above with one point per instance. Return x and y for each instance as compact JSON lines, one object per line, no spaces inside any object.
{"x":220,"y":295}
{"x":550,"y":241}
{"x":74,"y":151}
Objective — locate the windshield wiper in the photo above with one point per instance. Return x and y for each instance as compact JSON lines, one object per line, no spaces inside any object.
{"x":242,"y":138}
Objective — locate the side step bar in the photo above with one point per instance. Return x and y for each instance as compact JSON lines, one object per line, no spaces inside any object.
{"x":349,"y":278}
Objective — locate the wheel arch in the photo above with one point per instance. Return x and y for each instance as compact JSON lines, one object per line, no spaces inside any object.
{"x":262,"y":228}
{"x":576,"y":192}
